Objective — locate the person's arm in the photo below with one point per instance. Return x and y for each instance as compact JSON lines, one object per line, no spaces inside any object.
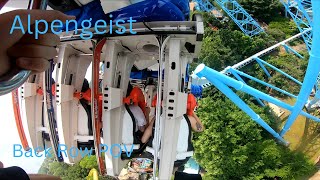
{"x":196,"y":123}
{"x":148,"y":132}
{"x":147,"y":116}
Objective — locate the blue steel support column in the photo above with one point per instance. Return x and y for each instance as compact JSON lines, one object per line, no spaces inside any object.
{"x":307,"y":5}
{"x":312,"y":71}
{"x":240,"y":79}
{"x":244,"y":107}
{"x":261,"y":82}
{"x":240,"y":16}
{"x":210,"y":74}
{"x":286,"y":48}
{"x":204,"y":5}
{"x":289,"y":49}
{"x":280,"y":71}
{"x":263,"y":68}
{"x":236,"y":12}
{"x":301,"y":18}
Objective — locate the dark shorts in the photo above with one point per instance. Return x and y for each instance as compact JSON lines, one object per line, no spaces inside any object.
{"x":13,"y":173}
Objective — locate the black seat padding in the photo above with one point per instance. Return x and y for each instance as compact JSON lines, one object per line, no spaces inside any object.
{"x":86,"y":106}
{"x":184,"y":176}
{"x":83,"y":145}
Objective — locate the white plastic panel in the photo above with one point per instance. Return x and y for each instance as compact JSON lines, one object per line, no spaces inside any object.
{"x":70,"y":75}
{"x":67,"y":94}
{"x":31,"y":111}
{"x":29,"y":89}
{"x":114,"y":98}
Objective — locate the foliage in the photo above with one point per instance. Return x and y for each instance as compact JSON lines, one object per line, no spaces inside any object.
{"x":285,"y":25}
{"x":76,"y":172}
{"x":89,"y":162}
{"x":79,"y":170}
{"x":289,"y":64}
{"x":292,"y":65}
{"x":264,"y":10}
{"x":225,"y":47}
{"x":58,"y":169}
{"x":277,"y":34}
{"x":225,"y":23}
{"x":235,"y":147}
{"x":44,"y":169}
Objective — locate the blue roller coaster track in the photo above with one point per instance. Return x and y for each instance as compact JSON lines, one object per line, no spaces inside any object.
{"x":301,"y":12}
{"x":236,"y":12}
{"x":308,"y":22}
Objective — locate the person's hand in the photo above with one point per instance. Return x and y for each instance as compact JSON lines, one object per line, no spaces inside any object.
{"x":22,"y":51}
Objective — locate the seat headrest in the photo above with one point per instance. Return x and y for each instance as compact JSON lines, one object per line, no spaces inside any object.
{"x":136,"y":97}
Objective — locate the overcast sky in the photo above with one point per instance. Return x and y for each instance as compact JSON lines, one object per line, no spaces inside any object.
{"x":9,"y":136}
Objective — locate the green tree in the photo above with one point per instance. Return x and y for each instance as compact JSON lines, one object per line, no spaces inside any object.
{"x":58,"y":169}
{"x":285,"y":25}
{"x":288,"y":63}
{"x":277,"y":34}
{"x":77,"y":171}
{"x":234,"y":147}
{"x":44,"y":169}
{"x":225,"y":47}
{"x":89,"y":162}
{"x":264,"y":10}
